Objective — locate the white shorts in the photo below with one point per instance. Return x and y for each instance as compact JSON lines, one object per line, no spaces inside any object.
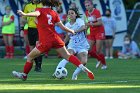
{"x":84,"y":47}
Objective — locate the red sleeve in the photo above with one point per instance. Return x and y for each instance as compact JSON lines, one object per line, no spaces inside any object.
{"x":12,"y":18}
{"x":98,"y":15}
{"x":57,"y":19}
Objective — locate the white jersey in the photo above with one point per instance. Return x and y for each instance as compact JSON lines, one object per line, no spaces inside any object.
{"x":77,"y":41}
{"x":109,"y":25}
{"x":79,"y":37}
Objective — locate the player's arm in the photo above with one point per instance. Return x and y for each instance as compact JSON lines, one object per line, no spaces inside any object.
{"x":82,"y":28}
{"x":31,"y":14}
{"x":9,"y":22}
{"x":60,"y":24}
{"x":98,"y":23}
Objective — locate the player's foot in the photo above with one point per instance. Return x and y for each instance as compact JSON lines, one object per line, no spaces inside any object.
{"x":25,"y":57}
{"x":104,"y":67}
{"x":106,"y":57}
{"x":74,"y":77}
{"x":98,"y":64}
{"x":89,"y":73}
{"x":19,"y":75}
{"x":37,"y":69}
{"x":111,"y":57}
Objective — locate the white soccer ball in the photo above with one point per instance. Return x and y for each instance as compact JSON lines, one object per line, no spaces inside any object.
{"x":61,"y":73}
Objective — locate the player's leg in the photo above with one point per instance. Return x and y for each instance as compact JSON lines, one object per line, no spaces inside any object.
{"x":11,"y":46}
{"x":71,"y":58}
{"x":28,"y":65}
{"x":5,"y":39}
{"x":111,"y":48}
{"x":99,"y":44}
{"x":27,"y":45}
{"x":107,"y":48}
{"x":33,"y":37}
{"x":83,"y":56}
{"x":63,"y":62}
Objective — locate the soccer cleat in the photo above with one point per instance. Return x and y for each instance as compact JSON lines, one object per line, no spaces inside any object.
{"x":104,"y":67}
{"x":98,"y":64}
{"x":19,"y":75}
{"x":89,"y":73}
{"x":74,"y":77}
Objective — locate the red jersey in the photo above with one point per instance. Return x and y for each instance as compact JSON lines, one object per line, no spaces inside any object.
{"x":46,"y":24}
{"x":93,"y":18}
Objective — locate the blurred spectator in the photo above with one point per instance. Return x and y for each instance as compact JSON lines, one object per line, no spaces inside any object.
{"x":110,"y":29}
{"x":32,"y":30}
{"x":97,"y":34}
{"x":130,"y":49}
{"x":8,"y":31}
{"x":3,"y":4}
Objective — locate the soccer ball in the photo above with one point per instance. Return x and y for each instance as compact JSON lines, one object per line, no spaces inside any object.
{"x":61,"y":73}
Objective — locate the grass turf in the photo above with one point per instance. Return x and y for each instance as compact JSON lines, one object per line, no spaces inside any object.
{"x":122,"y":76}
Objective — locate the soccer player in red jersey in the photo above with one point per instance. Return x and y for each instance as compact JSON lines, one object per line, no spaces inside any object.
{"x":97,"y":34}
{"x":48,"y":38}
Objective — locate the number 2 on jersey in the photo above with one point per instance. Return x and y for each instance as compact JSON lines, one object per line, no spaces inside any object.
{"x":49,"y":19}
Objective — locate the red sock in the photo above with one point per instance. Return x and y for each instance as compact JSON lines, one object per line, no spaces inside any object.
{"x":7,"y":51}
{"x":27,"y":49}
{"x":27,"y":67}
{"x":74,"y":60}
{"x":95,"y":55}
{"x":102,"y":59}
{"x":11,"y":51}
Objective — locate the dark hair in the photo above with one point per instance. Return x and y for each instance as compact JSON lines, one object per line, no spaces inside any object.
{"x":51,"y":3}
{"x":128,"y":36}
{"x":76,"y":12}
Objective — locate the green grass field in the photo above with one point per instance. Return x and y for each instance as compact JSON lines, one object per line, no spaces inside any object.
{"x":122,"y":76}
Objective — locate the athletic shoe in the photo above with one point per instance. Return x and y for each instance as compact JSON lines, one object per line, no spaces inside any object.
{"x":106,"y":57}
{"x":25,"y":57}
{"x":104,"y":67}
{"x":111,"y":57}
{"x":98,"y":64}
{"x":37,"y":69}
{"x":74,"y":77}
{"x":89,"y":73}
{"x":19,"y":75}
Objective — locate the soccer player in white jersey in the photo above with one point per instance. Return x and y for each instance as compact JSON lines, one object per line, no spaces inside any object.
{"x":110,"y":29}
{"x":78,"y":43}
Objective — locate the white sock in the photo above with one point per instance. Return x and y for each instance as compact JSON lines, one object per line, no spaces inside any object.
{"x":76,"y":72}
{"x":62,"y":63}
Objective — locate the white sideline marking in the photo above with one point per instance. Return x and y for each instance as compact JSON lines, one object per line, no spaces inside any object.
{"x":123,"y":81}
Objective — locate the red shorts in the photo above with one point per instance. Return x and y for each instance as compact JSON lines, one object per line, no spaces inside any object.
{"x":25,"y":32}
{"x":8,"y":34}
{"x":55,"y":42}
{"x":96,"y":36}
{"x":62,"y":36}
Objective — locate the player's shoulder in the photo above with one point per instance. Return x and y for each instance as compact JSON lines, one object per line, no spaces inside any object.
{"x":28,"y":4}
{"x":78,"y":20}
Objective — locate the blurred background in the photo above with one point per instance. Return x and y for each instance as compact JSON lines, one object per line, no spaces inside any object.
{"x":126,"y":13}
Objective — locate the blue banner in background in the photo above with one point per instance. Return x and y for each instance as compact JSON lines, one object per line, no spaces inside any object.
{"x":116,"y":6}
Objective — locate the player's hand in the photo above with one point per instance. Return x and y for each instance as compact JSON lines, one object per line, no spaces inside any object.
{"x":72,"y":31}
{"x":21,"y":13}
